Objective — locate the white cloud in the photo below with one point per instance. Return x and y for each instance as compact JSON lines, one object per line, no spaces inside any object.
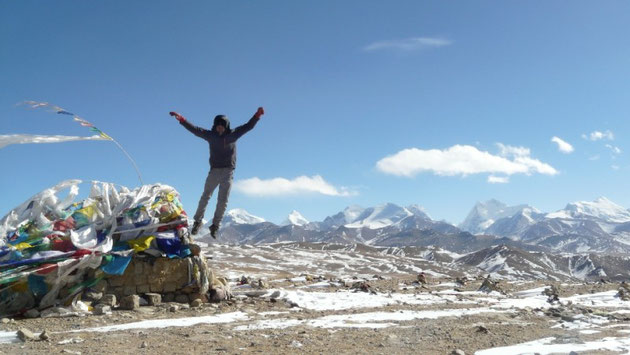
{"x":30,"y":138}
{"x":614,"y":149}
{"x":284,"y":187}
{"x":563,"y":146}
{"x":408,"y":44}
{"x":615,"y":167}
{"x":594,"y":157}
{"x":498,"y":179}
{"x":463,"y":160}
{"x":597,"y":135}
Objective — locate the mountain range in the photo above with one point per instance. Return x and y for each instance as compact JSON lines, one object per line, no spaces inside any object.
{"x":597,"y":226}
{"x":600,"y":226}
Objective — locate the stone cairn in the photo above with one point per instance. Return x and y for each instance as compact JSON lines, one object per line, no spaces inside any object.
{"x":156,"y":280}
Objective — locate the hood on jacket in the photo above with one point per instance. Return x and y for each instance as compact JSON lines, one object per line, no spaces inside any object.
{"x":222,"y":120}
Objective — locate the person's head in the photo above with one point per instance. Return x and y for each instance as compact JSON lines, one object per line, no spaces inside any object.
{"x":221,"y":124}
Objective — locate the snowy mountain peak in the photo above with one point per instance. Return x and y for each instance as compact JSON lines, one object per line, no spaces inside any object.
{"x":418,"y":211}
{"x":344,"y":217}
{"x":601,"y":208}
{"x":295,"y":218}
{"x":515,"y":225}
{"x":528,"y":211}
{"x":380,"y":216}
{"x":240,"y":216}
{"x":484,"y":214}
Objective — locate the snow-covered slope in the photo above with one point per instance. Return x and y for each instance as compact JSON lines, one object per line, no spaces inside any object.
{"x":512,"y":263}
{"x":295,"y":218}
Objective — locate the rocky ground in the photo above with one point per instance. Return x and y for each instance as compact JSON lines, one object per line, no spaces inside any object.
{"x":288,"y":311}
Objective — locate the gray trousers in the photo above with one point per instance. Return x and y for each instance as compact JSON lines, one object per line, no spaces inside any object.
{"x":221,"y":177}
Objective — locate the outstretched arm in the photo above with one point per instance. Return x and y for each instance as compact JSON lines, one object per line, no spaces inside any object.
{"x":241,"y":130}
{"x":198,"y":131}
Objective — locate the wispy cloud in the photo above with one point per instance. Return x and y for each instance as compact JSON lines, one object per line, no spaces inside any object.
{"x":563,"y":146}
{"x":498,"y":179}
{"x":464,"y":160}
{"x":512,"y":151}
{"x":284,"y":187}
{"x":408,"y":44}
{"x":615,"y":150}
{"x":598,"y":135}
{"x":30,"y":138}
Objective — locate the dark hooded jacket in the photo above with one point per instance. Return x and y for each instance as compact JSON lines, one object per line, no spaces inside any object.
{"x":222,"y":147}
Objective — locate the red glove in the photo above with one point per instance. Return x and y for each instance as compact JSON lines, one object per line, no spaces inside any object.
{"x":260,"y":112}
{"x":177,"y":116}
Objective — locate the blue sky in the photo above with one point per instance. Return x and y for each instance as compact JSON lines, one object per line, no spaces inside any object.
{"x":435,"y":103}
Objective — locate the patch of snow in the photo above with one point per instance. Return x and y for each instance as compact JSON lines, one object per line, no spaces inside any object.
{"x":520,"y":303}
{"x":341,"y":300}
{"x":280,"y":323}
{"x":9,"y":337}
{"x":583,"y":322}
{"x":623,"y":238}
{"x":364,"y":320}
{"x":589,"y":331}
{"x":322,"y":301}
{"x":484,"y":225}
{"x":175,"y":322}
{"x":581,"y":268}
{"x":534,"y":299}
{"x":601,"y":299}
{"x":453,"y":255}
{"x":358,"y":319}
{"x":546,"y":346}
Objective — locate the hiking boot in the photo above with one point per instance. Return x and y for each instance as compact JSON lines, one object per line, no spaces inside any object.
{"x":213,"y":231}
{"x":195,"y":227}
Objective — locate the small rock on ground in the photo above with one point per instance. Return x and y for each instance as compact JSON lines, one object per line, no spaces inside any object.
{"x":25,"y":334}
{"x":101,"y":309}
{"x":130,"y":302}
{"x":44,"y":336}
{"x":108,"y":299}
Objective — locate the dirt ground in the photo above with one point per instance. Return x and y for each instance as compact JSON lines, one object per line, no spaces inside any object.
{"x":468,"y":333}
